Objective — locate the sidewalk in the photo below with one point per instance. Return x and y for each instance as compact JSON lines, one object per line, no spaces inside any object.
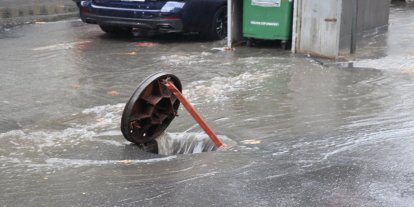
{"x":394,"y":50}
{"x":16,"y":12}
{"x":391,"y":50}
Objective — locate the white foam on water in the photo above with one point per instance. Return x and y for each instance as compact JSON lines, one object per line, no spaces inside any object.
{"x":13,"y":160}
{"x":260,"y":61}
{"x":198,"y":176}
{"x":220,"y":88}
{"x":75,"y":163}
{"x":62,"y":163}
{"x":186,"y":59}
{"x":280,"y":152}
{"x":40,"y":141}
{"x":395,"y":63}
{"x":103,"y":110}
{"x":222,"y":119}
{"x":95,"y":126}
{"x":62,"y":46}
{"x":222,"y":49}
{"x":349,"y":143}
{"x":107,"y":117}
{"x":110,"y":133}
{"x":13,"y":133}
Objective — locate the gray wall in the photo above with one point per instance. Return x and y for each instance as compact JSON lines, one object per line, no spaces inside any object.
{"x":318,"y":27}
{"x":371,"y":14}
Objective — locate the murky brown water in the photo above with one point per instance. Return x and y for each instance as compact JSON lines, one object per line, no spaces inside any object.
{"x":305,"y":135}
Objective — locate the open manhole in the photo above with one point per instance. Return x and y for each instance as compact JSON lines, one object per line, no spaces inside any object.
{"x":184,"y":143}
{"x":151,"y":109}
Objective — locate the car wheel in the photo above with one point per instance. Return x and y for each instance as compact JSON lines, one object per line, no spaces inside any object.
{"x":217,"y":29}
{"x":116,"y":31}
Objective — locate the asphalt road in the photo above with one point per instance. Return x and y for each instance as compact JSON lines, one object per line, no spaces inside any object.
{"x":304,"y":134}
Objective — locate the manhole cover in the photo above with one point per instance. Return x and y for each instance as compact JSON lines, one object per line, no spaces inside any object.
{"x":150,"y":110}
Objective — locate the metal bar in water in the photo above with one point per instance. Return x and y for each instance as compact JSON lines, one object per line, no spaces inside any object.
{"x":195,"y":115}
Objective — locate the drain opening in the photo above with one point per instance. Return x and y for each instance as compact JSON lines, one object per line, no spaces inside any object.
{"x":182,"y":143}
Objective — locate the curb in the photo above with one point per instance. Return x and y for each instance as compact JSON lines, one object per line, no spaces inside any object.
{"x":28,"y":14}
{"x":12,"y":22}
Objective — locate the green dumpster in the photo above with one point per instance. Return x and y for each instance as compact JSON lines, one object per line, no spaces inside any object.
{"x":267,"y":20}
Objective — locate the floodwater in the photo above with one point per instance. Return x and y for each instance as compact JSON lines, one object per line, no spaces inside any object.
{"x":303,"y":134}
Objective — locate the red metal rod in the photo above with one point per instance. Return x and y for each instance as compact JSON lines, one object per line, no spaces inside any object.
{"x":194,"y":113}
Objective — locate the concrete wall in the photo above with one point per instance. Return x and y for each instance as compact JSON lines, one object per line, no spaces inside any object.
{"x":317,"y":27}
{"x":372,"y":14}
{"x":346,"y":25}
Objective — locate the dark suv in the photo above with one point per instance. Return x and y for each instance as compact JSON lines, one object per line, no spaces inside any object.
{"x":208,"y":18}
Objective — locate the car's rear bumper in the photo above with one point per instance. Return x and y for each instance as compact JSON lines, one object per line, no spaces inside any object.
{"x":128,"y":18}
{"x":162,"y":25}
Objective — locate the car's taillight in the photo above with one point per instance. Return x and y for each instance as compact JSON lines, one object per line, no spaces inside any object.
{"x":84,"y":10}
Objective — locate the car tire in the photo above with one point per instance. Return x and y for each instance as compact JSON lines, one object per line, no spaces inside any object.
{"x":116,"y":31}
{"x":217,"y":29}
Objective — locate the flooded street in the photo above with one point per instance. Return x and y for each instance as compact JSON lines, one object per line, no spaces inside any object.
{"x":303,"y":134}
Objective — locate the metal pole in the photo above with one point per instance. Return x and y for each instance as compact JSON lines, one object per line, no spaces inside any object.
{"x":219,"y":144}
{"x":229,"y":23}
{"x":354,"y":29}
{"x":294,"y":26}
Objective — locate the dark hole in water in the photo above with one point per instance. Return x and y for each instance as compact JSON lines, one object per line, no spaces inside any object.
{"x":180,"y":143}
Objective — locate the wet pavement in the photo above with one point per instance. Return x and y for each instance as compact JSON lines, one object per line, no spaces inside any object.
{"x":306,"y":135}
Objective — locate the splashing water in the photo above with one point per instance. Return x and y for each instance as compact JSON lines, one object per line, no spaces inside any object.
{"x":188,"y":143}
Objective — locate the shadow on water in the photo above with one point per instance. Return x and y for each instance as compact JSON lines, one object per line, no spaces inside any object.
{"x":169,"y":38}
